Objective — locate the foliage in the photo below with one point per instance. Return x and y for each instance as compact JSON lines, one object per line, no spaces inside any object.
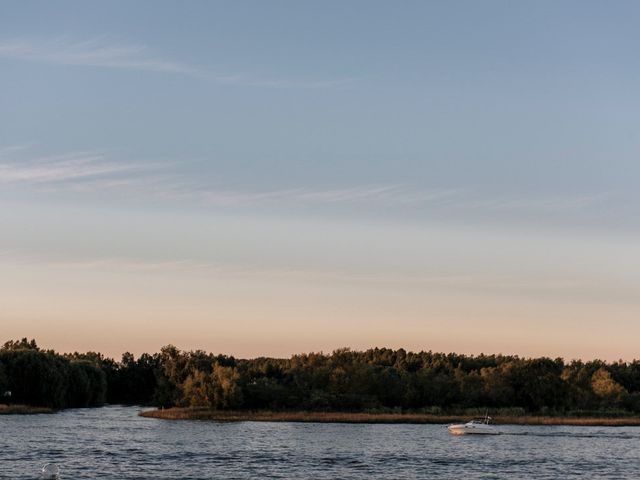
{"x":378,"y":379}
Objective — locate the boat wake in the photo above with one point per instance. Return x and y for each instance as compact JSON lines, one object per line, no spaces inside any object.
{"x":570,"y":435}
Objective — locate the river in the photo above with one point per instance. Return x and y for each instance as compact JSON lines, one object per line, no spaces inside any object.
{"x":114,"y":443}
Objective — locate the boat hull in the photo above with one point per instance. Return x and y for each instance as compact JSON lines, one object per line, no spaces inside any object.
{"x":472,"y":430}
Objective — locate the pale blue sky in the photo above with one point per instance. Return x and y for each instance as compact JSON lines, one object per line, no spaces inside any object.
{"x":412,"y":173}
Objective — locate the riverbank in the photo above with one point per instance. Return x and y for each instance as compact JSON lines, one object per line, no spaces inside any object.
{"x":341,"y":417}
{"x":23,"y":410}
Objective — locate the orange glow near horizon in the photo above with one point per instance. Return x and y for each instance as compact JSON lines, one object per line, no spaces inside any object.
{"x":249,"y":316}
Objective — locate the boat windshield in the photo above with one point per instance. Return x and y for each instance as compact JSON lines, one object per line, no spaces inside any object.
{"x":485,"y":420}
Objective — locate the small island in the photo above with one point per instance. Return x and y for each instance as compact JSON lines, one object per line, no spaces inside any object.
{"x":379,"y":385}
{"x":178,"y":413}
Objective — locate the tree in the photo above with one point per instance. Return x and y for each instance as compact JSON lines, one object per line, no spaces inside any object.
{"x":87,"y":384}
{"x":22,"y":344}
{"x":606,"y":388}
{"x":471,"y":387}
{"x":3,"y":381}
{"x":226,"y":391}
{"x":197,"y":390}
{"x":497,"y":390}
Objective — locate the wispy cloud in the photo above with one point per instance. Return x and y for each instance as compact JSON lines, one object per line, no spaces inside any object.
{"x":95,"y":173}
{"x":95,"y":53}
{"x":105,"y":53}
{"x":68,"y":167}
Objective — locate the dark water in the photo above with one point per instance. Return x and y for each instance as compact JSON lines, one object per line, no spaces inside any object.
{"x":114,"y":443}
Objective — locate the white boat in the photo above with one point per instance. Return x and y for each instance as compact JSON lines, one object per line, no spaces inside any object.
{"x":477,"y":426}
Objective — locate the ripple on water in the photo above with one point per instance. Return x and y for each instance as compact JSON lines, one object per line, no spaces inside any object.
{"x":114,"y":443}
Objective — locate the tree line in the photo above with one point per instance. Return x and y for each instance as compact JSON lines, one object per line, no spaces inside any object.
{"x":379,"y":379}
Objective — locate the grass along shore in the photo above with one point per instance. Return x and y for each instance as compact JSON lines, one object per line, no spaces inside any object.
{"x":344,"y":417}
{"x":23,"y":410}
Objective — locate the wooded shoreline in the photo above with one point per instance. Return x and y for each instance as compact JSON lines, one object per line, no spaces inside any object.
{"x":379,"y":381}
{"x":382,"y":418}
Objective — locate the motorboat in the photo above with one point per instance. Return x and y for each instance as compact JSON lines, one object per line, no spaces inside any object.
{"x":477,"y":426}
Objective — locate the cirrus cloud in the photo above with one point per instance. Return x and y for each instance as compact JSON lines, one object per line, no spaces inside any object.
{"x":103,"y":52}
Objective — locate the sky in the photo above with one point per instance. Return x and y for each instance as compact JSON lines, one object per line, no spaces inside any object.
{"x":270,"y":178}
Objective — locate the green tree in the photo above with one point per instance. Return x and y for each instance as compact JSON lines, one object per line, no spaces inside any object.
{"x":497,"y":390}
{"x":22,"y":344}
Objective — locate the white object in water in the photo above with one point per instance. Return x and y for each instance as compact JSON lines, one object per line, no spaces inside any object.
{"x":50,"y":470}
{"x":477,"y":426}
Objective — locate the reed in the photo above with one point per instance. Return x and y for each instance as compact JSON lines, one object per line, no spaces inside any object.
{"x":23,"y":410}
{"x":347,"y":417}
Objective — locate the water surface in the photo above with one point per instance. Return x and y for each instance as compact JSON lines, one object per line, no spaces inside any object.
{"x":114,"y":443}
